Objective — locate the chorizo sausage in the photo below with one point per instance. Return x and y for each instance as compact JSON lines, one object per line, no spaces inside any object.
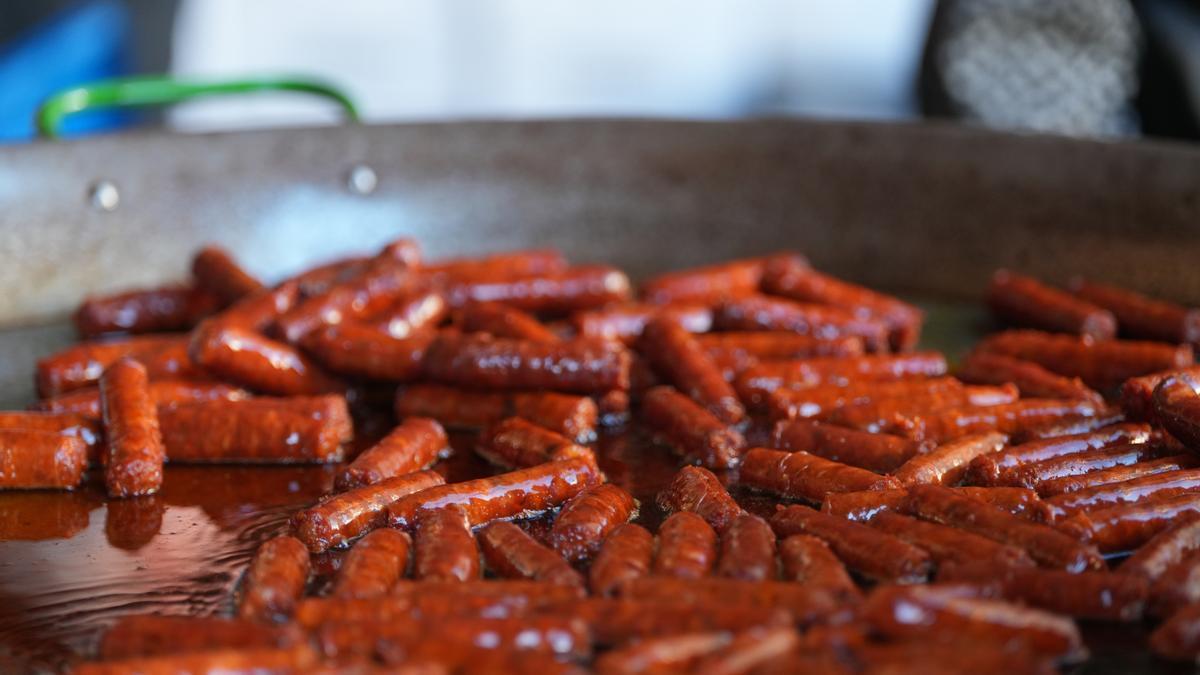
{"x":135,"y":443}
{"x":360,"y":350}
{"x":1099,"y":595}
{"x":81,"y":365}
{"x":617,"y":621}
{"x":582,"y":366}
{"x":142,"y":635}
{"x":948,"y":544}
{"x":166,"y":394}
{"x":677,"y":355}
{"x":947,"y":463}
{"x":1024,"y":301}
{"x":626,"y":322}
{"x":1105,"y":416}
{"x":816,"y":401}
{"x":587,"y":518}
{"x":799,"y":475}
{"x":763,"y":312}
{"x":1177,"y":408}
{"x":340,"y":518}
{"x":1178,"y":638}
{"x":807,"y":604}
{"x":516,"y":443}
{"x":873,"y":452}
{"x":41,"y":459}
{"x":671,"y":654}
{"x":215,"y":270}
{"x":1031,"y":379}
{"x":1081,"y":463}
{"x":870,"y":552}
{"x":1137,"y":393}
{"x":373,"y":565}
{"x":879,"y":414}
{"x":512,"y":553}
{"x":131,"y":523}
{"x":1101,"y":480}
{"x":569,"y":290}
{"x":994,"y":468}
{"x":504,"y":322}
{"x":295,"y":659}
{"x":413,"y":446}
{"x":413,"y":313}
{"x":757,"y":382}
{"x":1013,"y":418}
{"x":687,"y":547}
{"x":698,"y":490}
{"x":375,"y":287}
{"x":626,"y":554}
{"x":1177,"y":587}
{"x":707,"y":284}
{"x":691,"y":431}
{"x":156,"y":310}
{"x":862,"y":506}
{"x":750,"y":347}
{"x":509,"y":263}
{"x":1125,"y":527}
{"x":1141,"y":316}
{"x":572,"y":416}
{"x":807,"y":560}
{"x":445,"y":549}
{"x":1164,"y":549}
{"x":748,"y":550}
{"x":752,"y":649}
{"x":258,"y":362}
{"x":275,"y":580}
{"x":1135,"y":489}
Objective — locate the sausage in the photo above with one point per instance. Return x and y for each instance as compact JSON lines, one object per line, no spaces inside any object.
{"x":295,"y":659}
{"x":807,"y":604}
{"x":1099,"y":595}
{"x":83,"y":427}
{"x":515,"y":443}
{"x":1137,"y":393}
{"x":1141,"y":316}
{"x":1081,"y":463}
{"x":271,"y":430}
{"x":995,"y":468}
{"x":504,"y":322}
{"x":581,"y":366}
{"x":901,"y":612}
{"x":155,"y":310}
{"x":445,"y":549}
{"x":691,"y":431}
{"x":512,"y":553}
{"x":756,"y":383}
{"x":1134,"y":490}
{"x":946,"y":464}
{"x":166,"y":394}
{"x":1177,"y":587}
{"x":360,"y":350}
{"x":799,"y":475}
{"x":873,"y":554}
{"x":515,"y":494}
{"x":748,"y":550}
{"x":626,"y":322}
{"x":142,"y":635}
{"x":456,"y":640}
{"x":1118,"y":474}
{"x":1164,"y":549}
{"x":764,"y":312}
{"x":1177,"y":408}
{"x":1105,"y":416}
{"x":411,"y":314}
{"x":874,"y":452}
{"x":413,"y":446}
{"x":698,"y":490}
{"x":80,"y":366}
{"x":708,"y":284}
{"x":951,"y":656}
{"x":687,"y":547}
{"x":807,"y":560}
{"x":1032,"y":380}
{"x":1025,"y":301}
{"x":569,"y":290}
{"x":587,"y":519}
{"x":618,"y":621}
{"x":572,"y":416}
{"x":1125,"y":527}
{"x":862,"y":506}
{"x":340,"y":518}
{"x":946,"y":544}
{"x":131,"y":523}
{"x":41,"y":459}
{"x":1178,"y":638}
{"x":258,"y":362}
{"x":1013,"y":418}
{"x":215,"y":270}
{"x":875,"y":415}
{"x":785,"y":403}
{"x":135,"y":443}
{"x":751,"y":649}
{"x":524,"y":261}
{"x":373,"y":565}
{"x":678,"y":356}
{"x":275,"y":580}
{"x":669,"y":654}
{"x":1102,"y":364}
{"x":785,"y":277}
{"x":626,"y":554}
{"x":750,"y":347}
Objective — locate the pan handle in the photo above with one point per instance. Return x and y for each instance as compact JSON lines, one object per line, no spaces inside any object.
{"x":163,"y":90}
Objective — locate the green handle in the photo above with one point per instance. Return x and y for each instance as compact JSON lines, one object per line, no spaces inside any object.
{"x":163,"y":90}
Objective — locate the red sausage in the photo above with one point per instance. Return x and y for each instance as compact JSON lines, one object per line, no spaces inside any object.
{"x":1036,"y":474}
{"x":690,"y":430}
{"x":816,"y":401}
{"x":626,"y":322}
{"x":996,"y":467}
{"x":41,"y":459}
{"x":572,"y":416}
{"x":516,"y":443}
{"x":414,"y":445}
{"x":807,"y":560}
{"x":135,"y":443}
{"x":748,"y":550}
{"x":1123,"y":492}
{"x":258,"y":362}
{"x":1103,"y":479}
{"x":215,"y":270}
{"x":360,"y":350}
{"x":872,"y":553}
{"x":862,"y":506}
{"x":756,"y":383}
{"x":1025,"y":301}
{"x":81,"y":365}
{"x":373,"y":565}
{"x":445,"y":548}
{"x":1141,"y":316}
{"x":764,"y":312}
{"x":948,"y":544}
{"x":1127,"y":526}
{"x":1164,"y":549}
{"x":807,"y":604}
{"x":1178,"y":638}
{"x":412,"y":314}
{"x":1008,"y":418}
{"x":270,"y":430}
{"x":947,"y":463}
{"x":509,"y":263}
{"x":687,"y":547}
{"x":874,"y":452}
{"x":1099,"y":595}
{"x":670,"y":654}
{"x":512,"y":553}
{"x":142,"y":635}
{"x":569,"y":290}
{"x":749,"y":347}
{"x":583,"y":366}
{"x":1177,"y":408}
{"x":275,"y":580}
{"x":698,"y":490}
{"x":340,"y":518}
{"x":157,"y":310}
{"x":626,"y":554}
{"x":799,"y":475}
{"x":1137,"y":393}
{"x":295,"y":659}
{"x":678,"y":356}
{"x":618,"y":621}
{"x":504,"y":322}
{"x":166,"y":394}
{"x":587,"y":518}
{"x":708,"y":284}
{"x":1031,"y":379}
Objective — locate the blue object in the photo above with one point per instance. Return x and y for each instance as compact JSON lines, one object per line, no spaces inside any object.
{"x":85,"y":43}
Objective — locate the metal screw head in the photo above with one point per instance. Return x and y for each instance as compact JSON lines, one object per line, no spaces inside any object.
{"x":362,"y":179}
{"x":104,"y":195}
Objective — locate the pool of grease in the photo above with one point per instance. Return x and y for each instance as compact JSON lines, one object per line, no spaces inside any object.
{"x":71,"y":563}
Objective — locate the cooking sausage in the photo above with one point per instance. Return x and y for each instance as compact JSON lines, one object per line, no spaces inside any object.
{"x":155,"y":310}
{"x":510,"y":495}
{"x":668,"y":654}
{"x":1025,"y":301}
{"x":749,"y":347}
{"x":360,"y":350}
{"x":1137,"y":393}
{"x":757,"y":382}
{"x":948,"y":424}
{"x":678,"y":356}
{"x":412,"y":313}
{"x":252,"y":661}
{"x":275,"y":580}
{"x":572,"y":416}
{"x":587,"y":518}
{"x":807,"y":604}
{"x":877,"y":414}
{"x":1046,"y":545}
{"x":80,"y":365}
{"x":708,"y":284}
{"x":569,"y":290}
{"x":995,"y":468}
{"x":783,"y":276}
{"x":698,"y":490}
{"x":1177,"y":408}
{"x":691,"y":431}
{"x":272,"y":430}
{"x":1125,"y":527}
{"x":1142,"y":316}
{"x":215,"y":270}
{"x":870,"y":552}
{"x":748,"y":550}
{"x":1099,"y":595}
{"x":258,"y":362}
{"x":142,"y":635}
{"x":1164,"y":549}
{"x":135,"y":443}
{"x":1178,"y":638}
{"x":764,"y":312}
{"x":947,"y":463}
{"x":373,"y":565}
{"x":626,"y":554}
{"x":339,"y":518}
{"x":1177,"y":587}
{"x":799,"y":475}
{"x":751,"y":649}
{"x":1102,"y":364}
{"x":626,"y":322}
{"x":509,"y":263}
{"x":166,"y":394}
{"x":1081,"y":463}
{"x":41,"y":459}
{"x":815,"y":401}
{"x":504,"y":322}
{"x":583,"y":366}
{"x":257,"y":312}
{"x":512,"y":553}
{"x":515,"y":443}
{"x":863,"y":506}
{"x":445,"y":549}
{"x":948,"y":544}
{"x":874,"y":452}
{"x":951,"y":657}
{"x":1105,"y":416}
{"x":807,"y":560}
{"x":618,"y":621}
{"x":413,"y":446}
{"x":687,"y":547}
{"x":1031,"y":379}
{"x":1135,"y":489}
{"x":85,"y":428}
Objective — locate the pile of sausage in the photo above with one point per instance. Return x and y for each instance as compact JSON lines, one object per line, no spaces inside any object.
{"x":900,"y":519}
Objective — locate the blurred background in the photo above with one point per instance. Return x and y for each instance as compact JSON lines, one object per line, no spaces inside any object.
{"x":1099,"y":68}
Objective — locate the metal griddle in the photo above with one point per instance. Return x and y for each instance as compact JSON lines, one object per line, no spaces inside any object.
{"x":925,"y":210}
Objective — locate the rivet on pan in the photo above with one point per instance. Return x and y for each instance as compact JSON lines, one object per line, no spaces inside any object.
{"x":104,"y":195}
{"x":362,"y":179}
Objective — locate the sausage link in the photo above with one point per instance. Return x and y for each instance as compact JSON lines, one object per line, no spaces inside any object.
{"x":166,"y":394}
{"x":81,"y":365}
{"x":1178,"y":638}
{"x":997,"y":467}
{"x":1141,"y":316}
{"x":863,"y":506}
{"x":799,"y":475}
{"x":807,"y":604}
{"x":1164,"y":549}
{"x":271,"y":430}
{"x":360,"y":350}
{"x":1105,"y":416}
{"x":572,"y":416}
{"x":515,"y":494}
{"x":748,"y":550}
{"x":1025,"y":301}
{"x":504,"y":322}
{"x":1177,"y":408}
{"x":668,"y":654}
{"x":750,"y":347}
{"x":275,"y":580}
{"x":873,"y":452}
{"x":756,"y":383}
{"x":509,"y":263}
{"x":626,"y":322}
{"x":143,"y":635}
{"x":41,"y":459}
{"x":1031,"y":379}
{"x":156,"y":310}
{"x":413,"y":446}
{"x":871,"y":553}
{"x":618,"y":621}
{"x":445,"y":549}
{"x":340,"y":518}
{"x":708,"y":284}
{"x":751,"y":650}
{"x":1099,"y":595}
{"x":512,"y":553}
{"x":295,"y":659}
{"x":677,"y":355}
{"x":878,"y":414}
{"x":946,"y":464}
{"x":215,"y":270}
{"x":953,"y":656}
{"x":412,"y":313}
{"x":569,"y":290}
{"x":373,"y":565}
{"x":626,"y":554}
{"x":822,"y":400}
{"x":1125,"y":527}
{"x":377,"y":286}
{"x":764,"y":312}
{"x":698,"y":490}
{"x":1013,"y":418}
{"x":587,"y":519}
{"x":1137,"y":393}
{"x":516,"y":443}
{"x":1081,"y":463}
{"x":131,"y":427}
{"x":258,"y":362}
{"x":691,"y":431}
{"x":687,"y":547}
{"x":807,"y":560}
{"x":583,"y":366}
{"x":1138,"y":488}
{"x":946,"y":544}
